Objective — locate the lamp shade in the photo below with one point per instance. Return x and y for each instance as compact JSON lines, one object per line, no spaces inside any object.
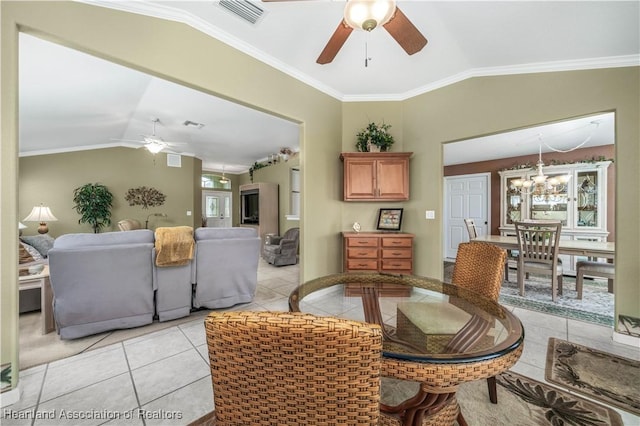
{"x":22,"y":225}
{"x":43,"y":215}
{"x":368,"y":14}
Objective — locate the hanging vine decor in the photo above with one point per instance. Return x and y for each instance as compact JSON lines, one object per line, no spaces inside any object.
{"x":145,"y":197}
{"x":558,"y":163}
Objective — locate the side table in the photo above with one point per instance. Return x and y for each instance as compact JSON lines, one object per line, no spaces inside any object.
{"x":41,"y":281}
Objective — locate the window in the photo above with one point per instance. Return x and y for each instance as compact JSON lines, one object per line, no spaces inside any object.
{"x":294,"y":200}
{"x":213,"y":181}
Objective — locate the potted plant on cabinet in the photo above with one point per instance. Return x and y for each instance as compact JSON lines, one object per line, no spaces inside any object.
{"x":374,"y":138}
{"x":93,"y":203}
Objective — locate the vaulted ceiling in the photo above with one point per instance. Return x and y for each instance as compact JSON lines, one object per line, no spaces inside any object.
{"x":104,"y":101}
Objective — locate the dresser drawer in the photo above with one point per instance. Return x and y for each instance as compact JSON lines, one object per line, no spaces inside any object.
{"x":362,"y":253}
{"x":397,"y":265}
{"x":362,"y":242}
{"x":396,"y":242}
{"x":397,"y":253}
{"x":362,"y":264}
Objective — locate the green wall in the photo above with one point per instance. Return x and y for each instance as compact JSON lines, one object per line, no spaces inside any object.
{"x":421,"y":125}
{"x":51,"y":179}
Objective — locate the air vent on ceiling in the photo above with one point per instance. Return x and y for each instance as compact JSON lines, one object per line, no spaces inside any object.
{"x":189,"y":123}
{"x":247,"y":10}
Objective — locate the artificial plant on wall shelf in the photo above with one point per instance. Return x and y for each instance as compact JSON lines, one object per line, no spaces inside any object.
{"x":374,"y":137}
{"x":93,"y":201}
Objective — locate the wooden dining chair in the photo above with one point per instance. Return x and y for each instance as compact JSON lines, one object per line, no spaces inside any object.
{"x":472,"y":230}
{"x":538,"y":245}
{"x":479,"y":267}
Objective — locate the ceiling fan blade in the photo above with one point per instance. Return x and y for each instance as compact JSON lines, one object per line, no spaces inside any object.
{"x":405,"y":33}
{"x":335,"y":43}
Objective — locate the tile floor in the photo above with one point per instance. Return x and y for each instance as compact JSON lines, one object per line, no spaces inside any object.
{"x":163,"y":378}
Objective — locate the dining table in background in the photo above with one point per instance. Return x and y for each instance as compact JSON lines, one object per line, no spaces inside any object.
{"x":600,"y":249}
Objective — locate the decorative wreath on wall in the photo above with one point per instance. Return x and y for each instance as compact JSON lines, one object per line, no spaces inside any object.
{"x":145,"y":197}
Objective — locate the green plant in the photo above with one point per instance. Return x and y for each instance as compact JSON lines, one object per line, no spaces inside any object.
{"x":93,"y":202}
{"x":374,"y":134}
{"x":256,"y":166}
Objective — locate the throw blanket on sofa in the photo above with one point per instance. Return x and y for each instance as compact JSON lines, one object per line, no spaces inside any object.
{"x":174,"y":245}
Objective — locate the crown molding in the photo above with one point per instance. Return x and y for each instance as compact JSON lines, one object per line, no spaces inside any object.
{"x":532,"y":68}
{"x":92,"y":147}
{"x":168,"y":13}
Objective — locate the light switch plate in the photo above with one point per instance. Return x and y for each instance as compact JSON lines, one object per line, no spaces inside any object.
{"x":430,"y":214}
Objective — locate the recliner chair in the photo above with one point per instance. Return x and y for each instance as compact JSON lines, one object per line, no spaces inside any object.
{"x":282,"y":250}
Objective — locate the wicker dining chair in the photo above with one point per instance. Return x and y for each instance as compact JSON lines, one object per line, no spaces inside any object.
{"x":472,"y":230}
{"x":479,"y":267}
{"x":293,"y":368}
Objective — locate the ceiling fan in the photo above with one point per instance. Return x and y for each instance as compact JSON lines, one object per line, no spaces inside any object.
{"x":368,"y":15}
{"x":152,"y":142}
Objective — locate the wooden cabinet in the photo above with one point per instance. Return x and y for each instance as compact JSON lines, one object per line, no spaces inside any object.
{"x":378,"y":252}
{"x":376,"y":176}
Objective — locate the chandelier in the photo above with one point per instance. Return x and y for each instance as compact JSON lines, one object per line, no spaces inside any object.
{"x":541,"y":186}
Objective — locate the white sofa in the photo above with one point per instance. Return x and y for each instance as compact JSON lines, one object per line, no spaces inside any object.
{"x":226,"y":266}
{"x":110,"y":281}
{"x":102,"y":282}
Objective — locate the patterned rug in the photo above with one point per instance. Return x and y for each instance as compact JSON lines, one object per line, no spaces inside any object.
{"x":608,"y":378}
{"x":531,"y":402}
{"x":596,"y":305}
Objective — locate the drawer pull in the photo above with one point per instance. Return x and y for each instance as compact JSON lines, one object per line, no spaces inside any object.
{"x":395,"y":253}
{"x":362,"y":264}
{"x":362,"y":254}
{"x":362,"y":242}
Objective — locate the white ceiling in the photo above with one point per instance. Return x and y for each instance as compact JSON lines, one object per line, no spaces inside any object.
{"x":103,"y":101}
{"x":584,"y":132}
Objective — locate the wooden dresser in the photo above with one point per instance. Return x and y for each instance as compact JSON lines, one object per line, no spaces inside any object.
{"x":383,"y":252}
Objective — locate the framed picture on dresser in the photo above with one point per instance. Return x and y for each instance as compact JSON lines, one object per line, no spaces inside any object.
{"x":389,"y":219}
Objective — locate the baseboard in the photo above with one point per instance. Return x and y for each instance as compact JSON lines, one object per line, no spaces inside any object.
{"x":625,"y":339}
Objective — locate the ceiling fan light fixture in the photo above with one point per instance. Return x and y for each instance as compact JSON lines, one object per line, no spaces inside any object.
{"x":154,"y":147}
{"x":368,"y":14}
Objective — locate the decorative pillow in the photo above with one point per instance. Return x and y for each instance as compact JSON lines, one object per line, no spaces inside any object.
{"x":23,"y":255}
{"x":31,"y":253}
{"x":42,"y":243}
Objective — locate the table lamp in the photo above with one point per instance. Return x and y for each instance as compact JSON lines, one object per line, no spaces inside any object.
{"x":43,"y":215}
{"x":21,"y":226}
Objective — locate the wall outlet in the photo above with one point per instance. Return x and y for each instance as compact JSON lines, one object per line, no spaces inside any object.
{"x":430,"y":214}
{"x":188,"y":212}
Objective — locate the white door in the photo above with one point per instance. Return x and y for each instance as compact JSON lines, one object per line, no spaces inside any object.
{"x":466,"y":196}
{"x":217,"y":208}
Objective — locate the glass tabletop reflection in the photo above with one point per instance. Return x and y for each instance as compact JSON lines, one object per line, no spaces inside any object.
{"x":422,"y":319}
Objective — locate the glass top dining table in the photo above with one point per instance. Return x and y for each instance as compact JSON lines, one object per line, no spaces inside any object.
{"x":435,"y":333}
{"x":432,"y":322}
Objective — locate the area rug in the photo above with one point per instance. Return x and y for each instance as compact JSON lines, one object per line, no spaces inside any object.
{"x":521,"y":400}
{"x":596,"y":305}
{"x":599,"y":375}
